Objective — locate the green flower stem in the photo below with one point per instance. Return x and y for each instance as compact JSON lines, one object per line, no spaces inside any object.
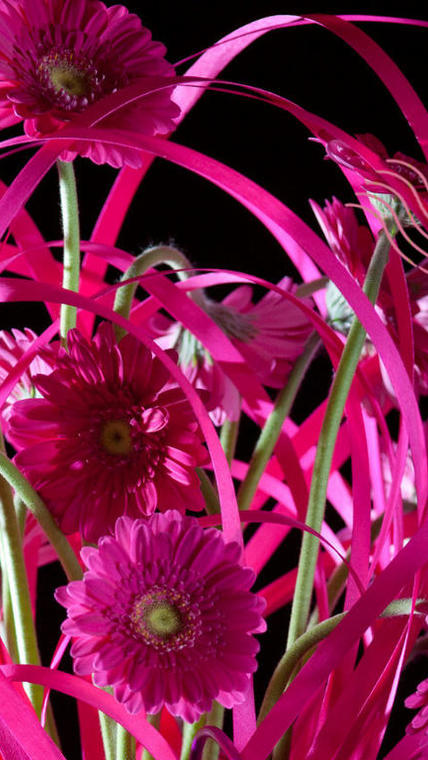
{"x":288,"y":663}
{"x":337,"y":580}
{"x":71,"y":233}
{"x":307,"y":288}
{"x":21,"y":514}
{"x":228,"y":438}
{"x":151,"y":257}
{"x":291,"y":659}
{"x":125,"y":744}
{"x":215,"y":717}
{"x":270,"y":433}
{"x":333,"y":416}
{"x":212,"y":504}
{"x":189,"y":732}
{"x":34,"y":503}
{"x":14,"y":568}
{"x":154,"y":721}
{"x":108,"y":732}
{"x":8,"y":623}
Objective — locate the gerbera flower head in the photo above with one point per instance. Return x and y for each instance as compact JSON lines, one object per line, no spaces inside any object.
{"x":164,"y":615}
{"x":57,"y":57}
{"x":111,"y":435}
{"x":13,"y":345}
{"x":418,"y":700}
{"x":270,"y":335}
{"x":353,"y":244}
{"x":350,"y":241}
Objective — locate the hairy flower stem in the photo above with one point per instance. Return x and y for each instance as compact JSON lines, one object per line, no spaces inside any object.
{"x":8,"y":632}
{"x":215,"y":717}
{"x":272,"y":428}
{"x":326,"y":442}
{"x":33,"y":502}
{"x":290,"y":660}
{"x":125,"y":744}
{"x":209,"y":492}
{"x":228,"y":438}
{"x":108,"y":733}
{"x":71,"y":234}
{"x":154,"y":721}
{"x":14,"y":568}
{"x":151,"y":257}
{"x":189,"y":732}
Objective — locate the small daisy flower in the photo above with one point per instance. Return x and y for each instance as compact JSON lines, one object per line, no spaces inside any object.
{"x":165,"y":616}
{"x":57,"y":57}
{"x":270,"y":335}
{"x":111,"y":435}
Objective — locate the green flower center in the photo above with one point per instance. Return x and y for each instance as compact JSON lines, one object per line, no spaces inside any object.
{"x":68,"y":78}
{"x":115,"y":437}
{"x":165,"y":619}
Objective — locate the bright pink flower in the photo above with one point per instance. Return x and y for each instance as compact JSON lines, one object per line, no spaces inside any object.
{"x":112,"y":435}
{"x":59,"y":56}
{"x":165,"y":616}
{"x":13,"y":345}
{"x":418,"y":700}
{"x":270,"y":335}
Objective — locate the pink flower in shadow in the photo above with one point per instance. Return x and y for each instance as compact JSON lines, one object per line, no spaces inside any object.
{"x":57,"y":57}
{"x":112,"y":435}
{"x":270,"y":335}
{"x":165,"y":616}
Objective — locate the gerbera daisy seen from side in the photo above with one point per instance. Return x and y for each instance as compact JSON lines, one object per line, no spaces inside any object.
{"x":57,"y":57}
{"x":270,"y":334}
{"x":164,"y":615}
{"x":111,"y":435}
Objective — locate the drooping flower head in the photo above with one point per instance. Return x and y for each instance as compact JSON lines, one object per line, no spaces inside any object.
{"x":112,"y":435}
{"x":165,"y":616}
{"x":57,"y":57}
{"x":270,"y":335}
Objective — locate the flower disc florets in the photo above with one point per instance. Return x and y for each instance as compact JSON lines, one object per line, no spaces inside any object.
{"x":165,"y":616}
{"x":57,"y":57}
{"x":112,"y":435}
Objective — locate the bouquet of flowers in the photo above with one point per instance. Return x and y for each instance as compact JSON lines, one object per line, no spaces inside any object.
{"x":149,"y":441}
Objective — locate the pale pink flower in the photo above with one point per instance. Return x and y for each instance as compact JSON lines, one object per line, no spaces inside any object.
{"x":57,"y":57}
{"x":165,"y":616}
{"x":270,"y":335}
{"x":112,"y":435}
{"x":13,"y":345}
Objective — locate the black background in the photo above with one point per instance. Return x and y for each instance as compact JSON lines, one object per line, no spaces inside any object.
{"x":316,"y":70}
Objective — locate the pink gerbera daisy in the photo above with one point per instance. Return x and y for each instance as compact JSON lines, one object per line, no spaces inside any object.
{"x":270,"y":335}
{"x":112,"y":435}
{"x":165,"y":616}
{"x":57,"y":57}
{"x":419,"y":700}
{"x":13,"y":345}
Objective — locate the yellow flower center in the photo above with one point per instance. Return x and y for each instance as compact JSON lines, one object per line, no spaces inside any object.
{"x":116,"y":437}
